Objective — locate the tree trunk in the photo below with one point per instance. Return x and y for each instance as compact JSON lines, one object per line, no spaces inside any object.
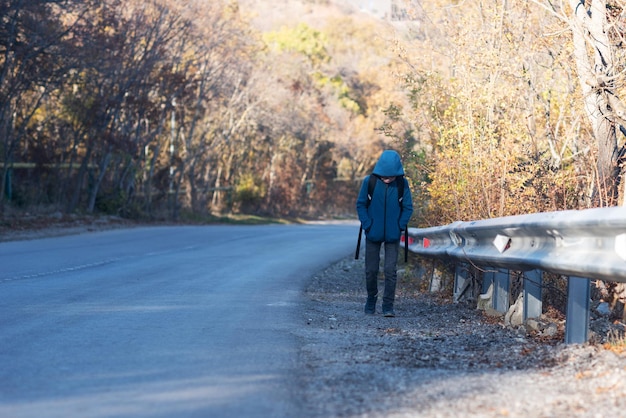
{"x":216,"y":202}
{"x":590,"y":25}
{"x":193,"y":187}
{"x":96,"y":187}
{"x":82,"y":171}
{"x":147,"y":186}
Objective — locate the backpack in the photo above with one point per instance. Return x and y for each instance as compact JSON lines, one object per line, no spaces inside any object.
{"x":371,"y":184}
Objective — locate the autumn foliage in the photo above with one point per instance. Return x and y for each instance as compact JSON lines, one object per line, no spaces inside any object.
{"x":165,"y":108}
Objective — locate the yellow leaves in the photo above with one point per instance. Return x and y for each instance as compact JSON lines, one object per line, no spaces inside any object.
{"x":303,"y":40}
{"x":249,"y":189}
{"x":477,"y":177}
{"x":481,"y":170}
{"x":339,"y":88}
{"x":489,"y":158}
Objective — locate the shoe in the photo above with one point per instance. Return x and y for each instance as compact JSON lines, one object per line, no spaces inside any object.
{"x":389,"y":314}
{"x":370,"y":305}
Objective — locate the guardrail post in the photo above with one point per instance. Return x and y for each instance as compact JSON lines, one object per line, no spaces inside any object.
{"x":532,"y":294}
{"x":487,"y":280}
{"x":460,"y":280}
{"x":501,"y":288}
{"x":436,"y":280}
{"x":577,"y":316}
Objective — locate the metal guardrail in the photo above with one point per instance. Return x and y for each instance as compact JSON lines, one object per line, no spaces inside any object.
{"x":581,"y":244}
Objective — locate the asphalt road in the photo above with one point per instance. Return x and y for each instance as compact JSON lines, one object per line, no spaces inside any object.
{"x":158,"y":322}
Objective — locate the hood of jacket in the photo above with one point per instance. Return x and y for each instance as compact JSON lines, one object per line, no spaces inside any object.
{"x":389,"y":165}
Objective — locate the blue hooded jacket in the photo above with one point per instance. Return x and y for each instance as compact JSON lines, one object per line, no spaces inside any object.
{"x":383,"y":221}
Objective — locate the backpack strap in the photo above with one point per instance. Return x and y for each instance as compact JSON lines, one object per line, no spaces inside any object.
{"x":371,"y":184}
{"x":400,"y":184}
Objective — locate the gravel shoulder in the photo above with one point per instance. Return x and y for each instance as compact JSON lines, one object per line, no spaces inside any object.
{"x":440,"y":359}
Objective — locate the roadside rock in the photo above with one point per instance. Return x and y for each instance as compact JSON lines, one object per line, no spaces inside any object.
{"x":441,"y":359}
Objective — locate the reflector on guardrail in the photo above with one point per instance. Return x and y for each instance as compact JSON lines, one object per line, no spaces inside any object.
{"x":411,"y":240}
{"x":502,"y":243}
{"x":620,"y":246}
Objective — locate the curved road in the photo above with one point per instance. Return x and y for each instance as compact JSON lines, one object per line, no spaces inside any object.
{"x":158,"y":322}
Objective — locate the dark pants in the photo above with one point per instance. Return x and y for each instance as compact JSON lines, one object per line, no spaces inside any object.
{"x":372,"y":262}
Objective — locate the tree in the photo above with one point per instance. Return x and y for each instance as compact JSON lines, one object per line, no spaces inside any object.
{"x":493,"y":100}
{"x":596,"y":36}
{"x":35,"y":52}
{"x":212,"y":108}
{"x":170,"y":103}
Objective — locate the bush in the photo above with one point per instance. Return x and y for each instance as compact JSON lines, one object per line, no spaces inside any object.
{"x":249,"y":194}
